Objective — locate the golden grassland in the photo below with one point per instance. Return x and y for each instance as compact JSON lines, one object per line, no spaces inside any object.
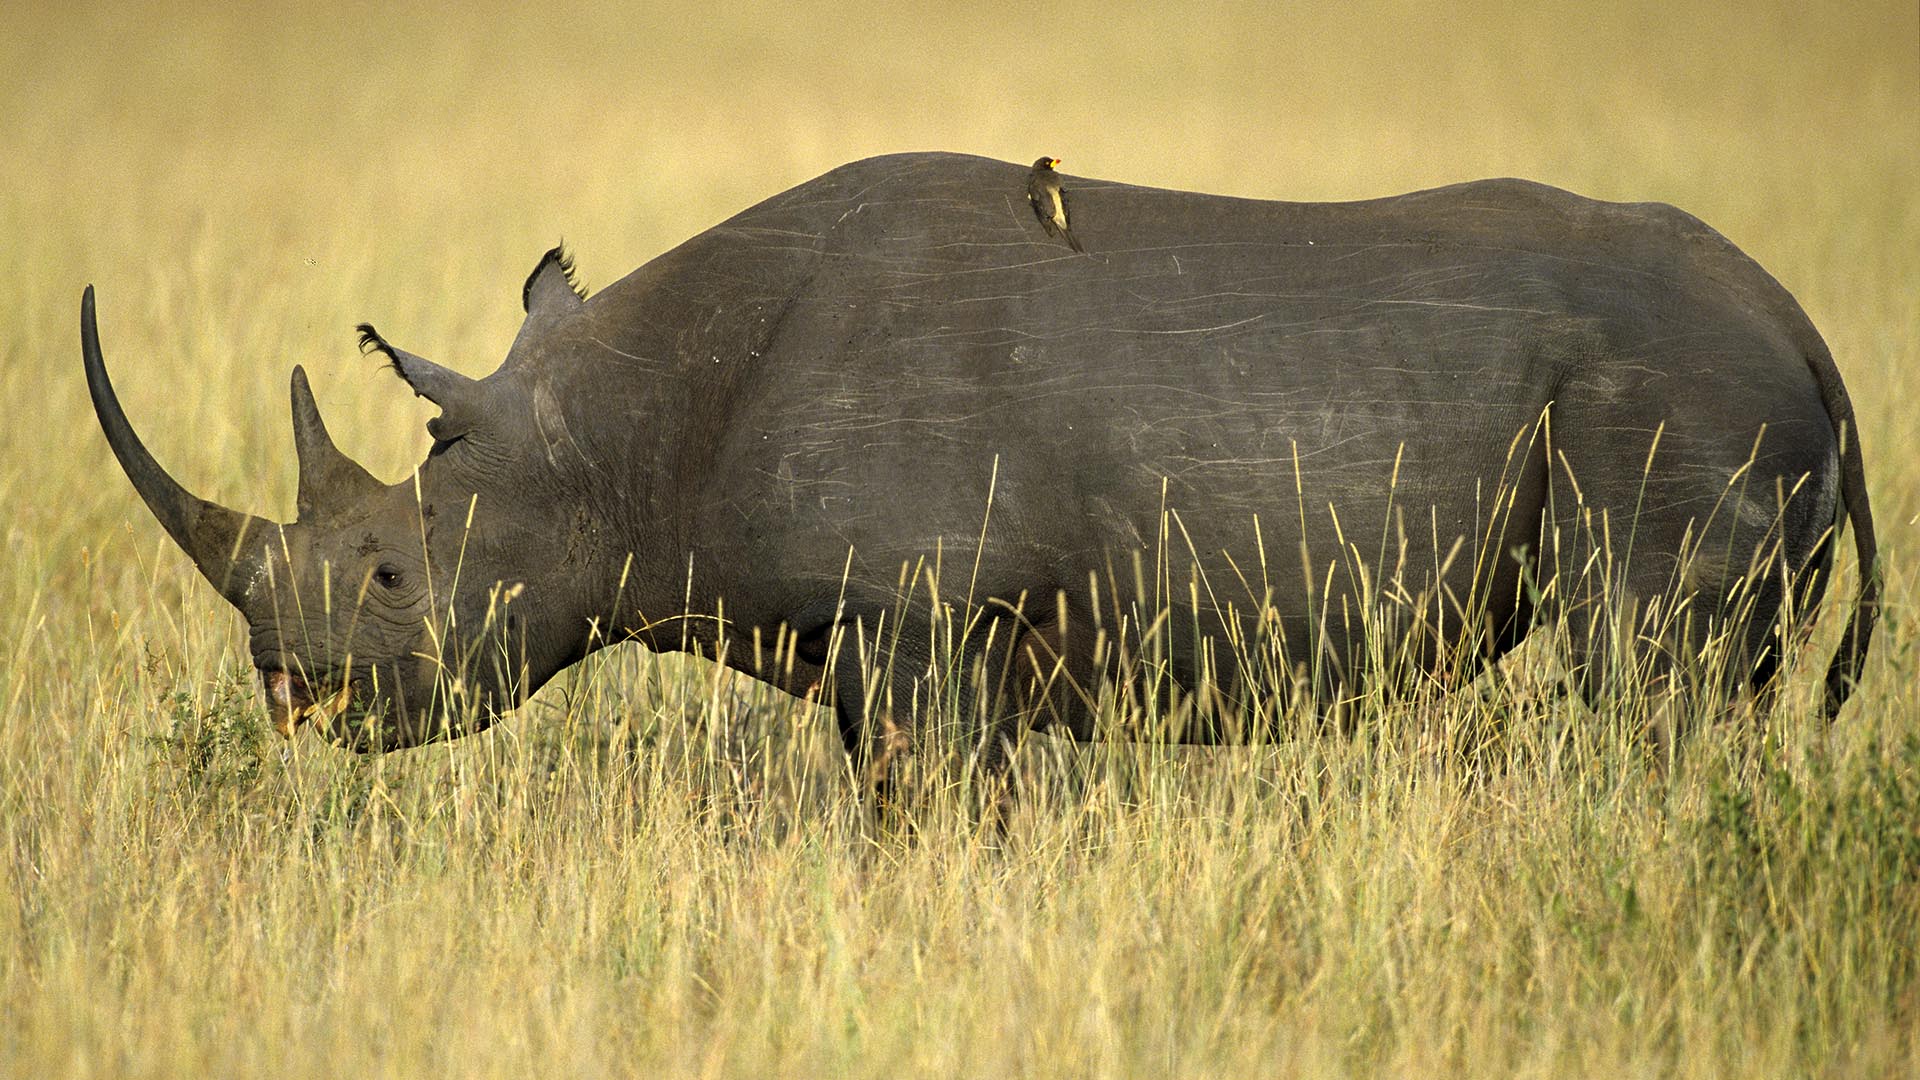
{"x":655,"y":870}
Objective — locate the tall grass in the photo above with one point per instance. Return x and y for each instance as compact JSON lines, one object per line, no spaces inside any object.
{"x":661,"y":868}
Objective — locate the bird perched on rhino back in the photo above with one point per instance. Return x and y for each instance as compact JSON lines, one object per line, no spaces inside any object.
{"x":1049,"y":201}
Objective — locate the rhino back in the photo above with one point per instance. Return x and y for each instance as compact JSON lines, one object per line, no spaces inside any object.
{"x":860,"y":359}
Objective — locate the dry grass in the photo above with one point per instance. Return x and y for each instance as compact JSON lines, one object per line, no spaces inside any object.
{"x":652,"y":872}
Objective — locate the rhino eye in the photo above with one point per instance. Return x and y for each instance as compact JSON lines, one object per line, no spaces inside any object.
{"x":387,"y":576}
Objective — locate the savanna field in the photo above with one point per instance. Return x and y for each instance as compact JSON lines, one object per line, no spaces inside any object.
{"x":659,"y":868}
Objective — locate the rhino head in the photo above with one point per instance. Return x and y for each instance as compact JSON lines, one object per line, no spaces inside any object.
{"x":398,"y":614}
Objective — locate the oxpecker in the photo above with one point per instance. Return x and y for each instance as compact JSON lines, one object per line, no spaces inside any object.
{"x":1049,"y":201}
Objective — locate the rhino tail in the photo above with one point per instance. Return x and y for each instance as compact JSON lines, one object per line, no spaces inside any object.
{"x":1843,"y":673}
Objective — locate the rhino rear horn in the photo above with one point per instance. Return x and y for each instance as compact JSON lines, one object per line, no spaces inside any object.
{"x":328,"y":478}
{"x":458,"y":396}
{"x":223,"y":544}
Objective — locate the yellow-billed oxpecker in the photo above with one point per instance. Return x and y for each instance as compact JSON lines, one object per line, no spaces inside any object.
{"x":1049,"y":201}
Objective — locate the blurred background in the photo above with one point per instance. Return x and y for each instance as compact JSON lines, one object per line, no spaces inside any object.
{"x":245,"y":182}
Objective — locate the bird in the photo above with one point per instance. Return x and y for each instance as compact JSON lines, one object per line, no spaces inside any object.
{"x":1049,"y":201}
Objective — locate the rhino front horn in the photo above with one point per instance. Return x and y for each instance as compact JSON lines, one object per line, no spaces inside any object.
{"x":224,"y":544}
{"x":328,"y":478}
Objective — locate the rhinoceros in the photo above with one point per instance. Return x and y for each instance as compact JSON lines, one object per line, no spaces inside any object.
{"x":1395,"y":432}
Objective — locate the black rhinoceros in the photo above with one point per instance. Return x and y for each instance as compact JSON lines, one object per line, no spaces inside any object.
{"x":1407,"y":428}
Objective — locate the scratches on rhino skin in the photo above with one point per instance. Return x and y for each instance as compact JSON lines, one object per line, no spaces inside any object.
{"x":551,"y":422}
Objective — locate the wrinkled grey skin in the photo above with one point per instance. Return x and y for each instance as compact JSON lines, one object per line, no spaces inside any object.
{"x":770,"y":419}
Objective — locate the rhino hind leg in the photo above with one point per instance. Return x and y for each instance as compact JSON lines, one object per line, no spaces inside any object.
{"x":1689,"y":613}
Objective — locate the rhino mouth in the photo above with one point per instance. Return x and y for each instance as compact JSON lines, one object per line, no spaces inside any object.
{"x":292,"y":700}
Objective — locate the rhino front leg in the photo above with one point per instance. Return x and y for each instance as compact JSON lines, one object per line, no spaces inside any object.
{"x":913,"y":720}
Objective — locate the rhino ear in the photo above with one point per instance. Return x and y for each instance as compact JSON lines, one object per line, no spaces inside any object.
{"x":457,"y":395}
{"x":328,"y":477}
{"x":552,"y":288}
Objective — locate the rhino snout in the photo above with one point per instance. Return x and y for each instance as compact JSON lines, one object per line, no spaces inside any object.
{"x":289,"y":698}
{"x":293,"y":702}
